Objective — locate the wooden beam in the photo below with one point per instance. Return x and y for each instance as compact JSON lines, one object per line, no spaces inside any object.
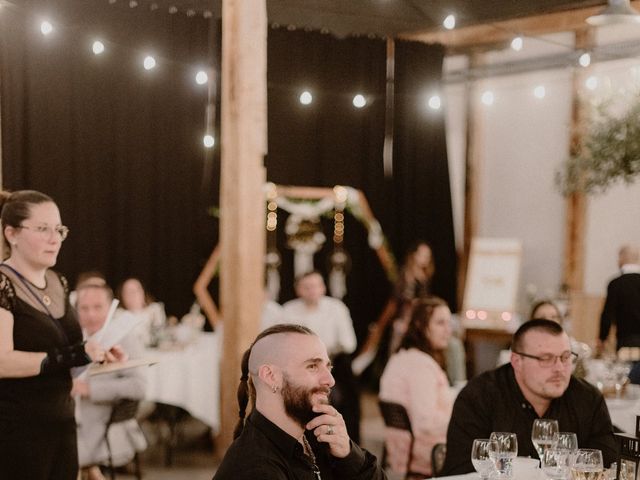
{"x":473,"y":171}
{"x":242,"y":207}
{"x":575,"y":223}
{"x":480,"y":36}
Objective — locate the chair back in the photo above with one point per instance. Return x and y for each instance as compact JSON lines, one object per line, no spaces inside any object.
{"x":396,"y":416}
{"x":122,"y":411}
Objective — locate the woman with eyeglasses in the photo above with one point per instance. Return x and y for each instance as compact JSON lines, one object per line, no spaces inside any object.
{"x":40,"y":341}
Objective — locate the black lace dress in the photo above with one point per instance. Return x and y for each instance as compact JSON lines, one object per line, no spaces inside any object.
{"x":37,"y":426}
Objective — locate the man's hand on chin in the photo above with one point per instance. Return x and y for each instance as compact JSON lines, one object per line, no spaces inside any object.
{"x":329,"y":428}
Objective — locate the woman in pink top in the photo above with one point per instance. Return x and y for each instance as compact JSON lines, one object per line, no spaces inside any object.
{"x":415,"y":378}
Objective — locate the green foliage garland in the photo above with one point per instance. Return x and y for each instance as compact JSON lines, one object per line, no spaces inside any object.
{"x":610,"y":154}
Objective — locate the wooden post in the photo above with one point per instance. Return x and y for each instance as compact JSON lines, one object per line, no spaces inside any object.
{"x":473,"y":169}
{"x":242,"y":206}
{"x":573,"y":274}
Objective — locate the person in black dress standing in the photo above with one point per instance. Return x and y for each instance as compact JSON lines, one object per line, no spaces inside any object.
{"x":40,"y":341}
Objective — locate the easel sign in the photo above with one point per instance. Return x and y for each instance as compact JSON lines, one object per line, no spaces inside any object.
{"x":492,"y":283}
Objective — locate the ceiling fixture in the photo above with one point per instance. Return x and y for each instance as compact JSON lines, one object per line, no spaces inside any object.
{"x":618,"y":11}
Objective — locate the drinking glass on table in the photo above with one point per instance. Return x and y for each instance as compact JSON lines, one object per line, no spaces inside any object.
{"x":588,"y":465}
{"x":481,"y":458}
{"x":556,"y":463}
{"x":544,"y":434}
{"x":503,"y":451}
{"x":567,"y":441}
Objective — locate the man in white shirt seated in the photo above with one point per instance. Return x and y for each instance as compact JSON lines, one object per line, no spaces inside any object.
{"x":330,"y":319}
{"x":96,"y":395}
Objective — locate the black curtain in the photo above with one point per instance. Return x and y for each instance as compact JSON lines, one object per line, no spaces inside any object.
{"x":422,"y":192}
{"x":118,"y":148}
{"x":330,"y":142}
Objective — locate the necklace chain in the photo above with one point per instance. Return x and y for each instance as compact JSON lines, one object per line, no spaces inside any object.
{"x":308,"y":451}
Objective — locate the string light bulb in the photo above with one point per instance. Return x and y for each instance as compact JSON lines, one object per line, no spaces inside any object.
{"x":591,"y":83}
{"x":434,"y":102}
{"x":449,"y":22}
{"x":540,"y":92}
{"x":45,"y":27}
{"x":97,"y":47}
{"x":149,"y":62}
{"x":359,"y":101}
{"x":306,"y":98}
{"x":487,"y":98}
{"x":517,"y":43}
{"x":585,"y":60}
{"x":208,"y":140}
{"x":202,"y":77}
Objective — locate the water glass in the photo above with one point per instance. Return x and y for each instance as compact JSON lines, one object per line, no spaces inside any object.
{"x":544,"y":434}
{"x":556,"y":463}
{"x":567,"y":441}
{"x":587,"y":465}
{"x":503,"y":451}
{"x":480,"y":456}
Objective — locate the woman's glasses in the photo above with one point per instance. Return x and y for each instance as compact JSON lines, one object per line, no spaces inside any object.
{"x":46,"y":231}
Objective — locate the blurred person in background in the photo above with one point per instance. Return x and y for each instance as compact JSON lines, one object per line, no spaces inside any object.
{"x":415,"y":378}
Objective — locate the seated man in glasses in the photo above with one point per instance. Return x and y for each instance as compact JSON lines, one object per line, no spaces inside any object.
{"x":538,"y":383}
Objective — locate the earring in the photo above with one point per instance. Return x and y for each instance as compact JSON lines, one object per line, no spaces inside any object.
{"x":274,"y":389}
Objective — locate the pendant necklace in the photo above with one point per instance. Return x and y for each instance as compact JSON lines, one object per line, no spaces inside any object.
{"x":309,"y":453}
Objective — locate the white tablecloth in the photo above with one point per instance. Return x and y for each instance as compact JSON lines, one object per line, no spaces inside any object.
{"x":189,"y":378}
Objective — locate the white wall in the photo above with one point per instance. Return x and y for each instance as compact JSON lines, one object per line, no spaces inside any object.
{"x":524,"y":141}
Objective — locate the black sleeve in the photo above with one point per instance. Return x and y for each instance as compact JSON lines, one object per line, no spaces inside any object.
{"x":358,"y":465}
{"x":608,"y":316}
{"x":470,"y":419}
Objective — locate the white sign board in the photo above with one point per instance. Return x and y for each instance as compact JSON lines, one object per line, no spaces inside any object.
{"x":492,"y":282}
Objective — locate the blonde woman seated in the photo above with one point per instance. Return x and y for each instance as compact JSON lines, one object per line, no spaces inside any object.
{"x":415,"y":378}
{"x":135,"y":299}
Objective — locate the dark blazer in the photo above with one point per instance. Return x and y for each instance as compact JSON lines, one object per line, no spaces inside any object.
{"x":622,"y":307}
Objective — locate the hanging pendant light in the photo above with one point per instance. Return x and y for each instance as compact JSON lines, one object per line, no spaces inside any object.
{"x":618,"y":11}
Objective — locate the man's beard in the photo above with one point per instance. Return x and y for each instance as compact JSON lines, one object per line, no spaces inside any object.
{"x":297,"y":400}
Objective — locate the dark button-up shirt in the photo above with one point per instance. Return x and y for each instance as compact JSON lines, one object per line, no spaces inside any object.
{"x":493,"y":402}
{"x":265,"y":451}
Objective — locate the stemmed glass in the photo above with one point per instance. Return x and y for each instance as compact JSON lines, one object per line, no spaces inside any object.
{"x":588,"y":465}
{"x":480,"y":456}
{"x":556,"y":463}
{"x":567,"y":441}
{"x":544,"y":434}
{"x":503,"y":451}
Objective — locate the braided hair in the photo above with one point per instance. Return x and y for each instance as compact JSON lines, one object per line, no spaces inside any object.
{"x":246,"y":389}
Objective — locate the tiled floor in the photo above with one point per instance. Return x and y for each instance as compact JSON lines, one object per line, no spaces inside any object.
{"x":194,"y":458}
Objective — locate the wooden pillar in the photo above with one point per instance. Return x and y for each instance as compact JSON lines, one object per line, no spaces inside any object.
{"x":242,"y":215}
{"x":473,"y":169}
{"x":575,"y":222}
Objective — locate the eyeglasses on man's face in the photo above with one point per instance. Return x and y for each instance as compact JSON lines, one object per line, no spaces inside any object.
{"x":46,"y":231}
{"x":549,"y":360}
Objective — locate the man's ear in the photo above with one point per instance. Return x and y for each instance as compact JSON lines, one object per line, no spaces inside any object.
{"x":270,"y":375}
{"x":516,"y":361}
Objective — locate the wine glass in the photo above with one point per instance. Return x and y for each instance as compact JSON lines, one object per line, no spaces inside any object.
{"x":556,"y":463}
{"x":503,"y":451}
{"x":567,"y":441}
{"x":480,"y":456}
{"x":544,"y":434}
{"x":587,"y":465}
